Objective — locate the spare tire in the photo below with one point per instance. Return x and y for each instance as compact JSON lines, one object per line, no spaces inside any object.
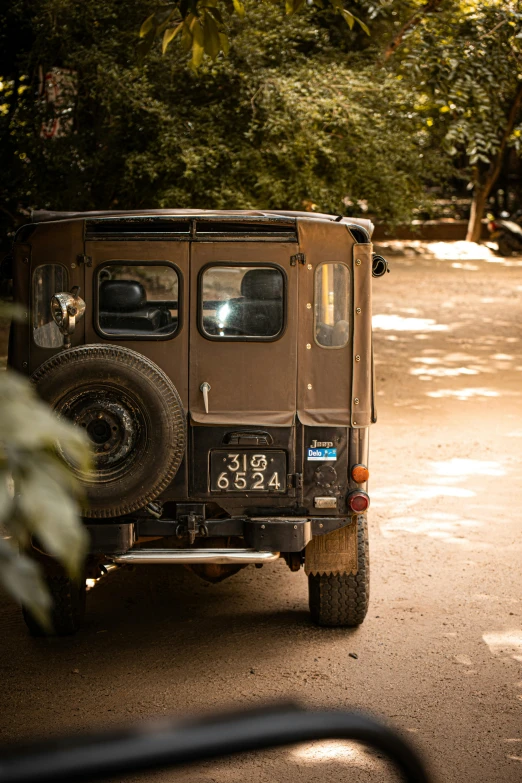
{"x":133,"y":416}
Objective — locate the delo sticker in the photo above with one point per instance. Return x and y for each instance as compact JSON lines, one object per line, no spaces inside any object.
{"x":322,"y":455}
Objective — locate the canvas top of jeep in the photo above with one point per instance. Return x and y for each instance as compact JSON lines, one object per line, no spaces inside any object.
{"x":221,"y":364}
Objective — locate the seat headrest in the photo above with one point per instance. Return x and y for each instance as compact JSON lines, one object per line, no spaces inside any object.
{"x":121,"y":295}
{"x":262,"y":284}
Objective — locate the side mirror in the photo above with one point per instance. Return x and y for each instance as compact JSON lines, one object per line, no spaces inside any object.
{"x":66,"y":310}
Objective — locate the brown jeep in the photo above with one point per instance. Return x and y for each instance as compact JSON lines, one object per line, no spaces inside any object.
{"x":223,"y":372}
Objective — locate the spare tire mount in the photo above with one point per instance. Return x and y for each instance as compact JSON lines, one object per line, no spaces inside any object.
{"x":132,"y":415}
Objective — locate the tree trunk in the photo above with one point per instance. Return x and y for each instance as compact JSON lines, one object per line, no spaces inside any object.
{"x":483,"y":186}
{"x":478,"y":205}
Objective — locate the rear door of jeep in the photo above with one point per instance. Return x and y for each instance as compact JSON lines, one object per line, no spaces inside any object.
{"x":243,"y":362}
{"x":136,"y":283}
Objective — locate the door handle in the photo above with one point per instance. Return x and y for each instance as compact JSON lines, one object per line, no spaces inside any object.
{"x":205,"y":388}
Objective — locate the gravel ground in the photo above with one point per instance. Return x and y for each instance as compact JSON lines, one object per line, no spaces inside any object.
{"x":440,"y":654}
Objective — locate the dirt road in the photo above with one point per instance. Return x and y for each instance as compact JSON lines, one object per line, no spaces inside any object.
{"x":440,"y":654}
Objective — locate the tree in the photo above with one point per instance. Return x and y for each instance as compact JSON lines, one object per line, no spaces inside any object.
{"x":294,"y":117}
{"x":202,"y":24}
{"x":467,"y":60}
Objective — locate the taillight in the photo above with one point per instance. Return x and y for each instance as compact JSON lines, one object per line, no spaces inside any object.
{"x":358,"y":501}
{"x":492,"y":226}
{"x":360,"y":474}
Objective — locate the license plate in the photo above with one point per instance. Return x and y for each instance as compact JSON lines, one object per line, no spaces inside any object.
{"x":247,"y":471}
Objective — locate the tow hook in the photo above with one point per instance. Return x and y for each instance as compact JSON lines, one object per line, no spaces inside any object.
{"x":192,"y":525}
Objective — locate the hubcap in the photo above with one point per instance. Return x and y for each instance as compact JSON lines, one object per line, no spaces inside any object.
{"x":113,"y":424}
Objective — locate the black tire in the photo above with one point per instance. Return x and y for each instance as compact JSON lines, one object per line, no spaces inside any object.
{"x":133,"y":416}
{"x":68,"y":610}
{"x":340,"y":600}
{"x":504,"y":247}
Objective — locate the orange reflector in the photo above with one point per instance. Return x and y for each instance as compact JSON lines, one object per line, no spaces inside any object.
{"x":360,"y":474}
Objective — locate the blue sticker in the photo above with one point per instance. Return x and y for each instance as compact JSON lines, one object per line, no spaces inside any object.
{"x":322,"y":455}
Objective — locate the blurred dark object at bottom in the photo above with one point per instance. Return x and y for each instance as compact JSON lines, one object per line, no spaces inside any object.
{"x":170,"y":743}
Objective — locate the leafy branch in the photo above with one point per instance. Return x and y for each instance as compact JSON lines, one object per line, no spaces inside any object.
{"x":38,"y":492}
{"x":202,"y":25}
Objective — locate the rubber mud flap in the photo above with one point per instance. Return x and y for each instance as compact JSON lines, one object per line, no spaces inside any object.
{"x":133,"y":416}
{"x":333,"y":553}
{"x":338,"y":587}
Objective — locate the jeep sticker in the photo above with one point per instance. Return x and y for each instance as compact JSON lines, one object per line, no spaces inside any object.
{"x":321,"y":454}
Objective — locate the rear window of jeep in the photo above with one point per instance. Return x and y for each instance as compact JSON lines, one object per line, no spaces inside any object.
{"x":48,"y":279}
{"x":138,"y":300}
{"x":245,"y":302}
{"x":332,"y":305}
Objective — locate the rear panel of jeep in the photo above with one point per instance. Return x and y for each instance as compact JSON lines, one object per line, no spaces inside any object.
{"x":263,"y":325}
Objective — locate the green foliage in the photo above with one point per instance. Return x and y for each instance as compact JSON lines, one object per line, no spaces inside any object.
{"x":467,"y":60}
{"x":202,"y":24}
{"x":295,"y":116}
{"x":38,"y":493}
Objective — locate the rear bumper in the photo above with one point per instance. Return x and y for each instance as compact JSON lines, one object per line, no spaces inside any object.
{"x":270,"y":535}
{"x":191,"y":556}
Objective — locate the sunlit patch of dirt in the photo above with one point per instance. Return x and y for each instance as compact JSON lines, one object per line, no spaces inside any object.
{"x":398,"y":323}
{"x":507,"y":642}
{"x":466,"y":468}
{"x":334,"y":750}
{"x":463,"y":394}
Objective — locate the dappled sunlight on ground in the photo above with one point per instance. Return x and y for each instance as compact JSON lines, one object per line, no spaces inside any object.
{"x":466,"y":256}
{"x":463,"y":394}
{"x":410,"y":506}
{"x":332,"y":750}
{"x":460,"y":250}
{"x":407,"y":495}
{"x":449,"y":483}
{"x":443,"y":372}
{"x":430,"y":367}
{"x":467,"y":267}
{"x":503,"y":261}
{"x":405,"y":517}
{"x":465,"y":468}
{"x":449,"y":528}
{"x":398,"y":323}
{"x":507,"y":642}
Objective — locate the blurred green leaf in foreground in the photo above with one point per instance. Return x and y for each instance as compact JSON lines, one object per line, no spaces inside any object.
{"x":38,"y":493}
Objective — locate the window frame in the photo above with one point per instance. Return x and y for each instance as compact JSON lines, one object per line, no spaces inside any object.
{"x":238,"y":338}
{"x":349,"y":303}
{"x":34,"y":302}
{"x":135,"y":337}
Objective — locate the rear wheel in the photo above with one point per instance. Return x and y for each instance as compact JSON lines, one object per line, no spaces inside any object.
{"x":337,"y":599}
{"x":68,"y":607}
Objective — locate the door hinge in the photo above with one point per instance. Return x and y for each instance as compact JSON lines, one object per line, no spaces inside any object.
{"x":298,"y":258}
{"x":294,"y":480}
{"x":83,"y":259}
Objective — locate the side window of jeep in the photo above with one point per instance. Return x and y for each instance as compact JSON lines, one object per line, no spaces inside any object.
{"x":138,"y":300}
{"x":48,"y":279}
{"x":332,"y":305}
{"x":242,"y":302}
